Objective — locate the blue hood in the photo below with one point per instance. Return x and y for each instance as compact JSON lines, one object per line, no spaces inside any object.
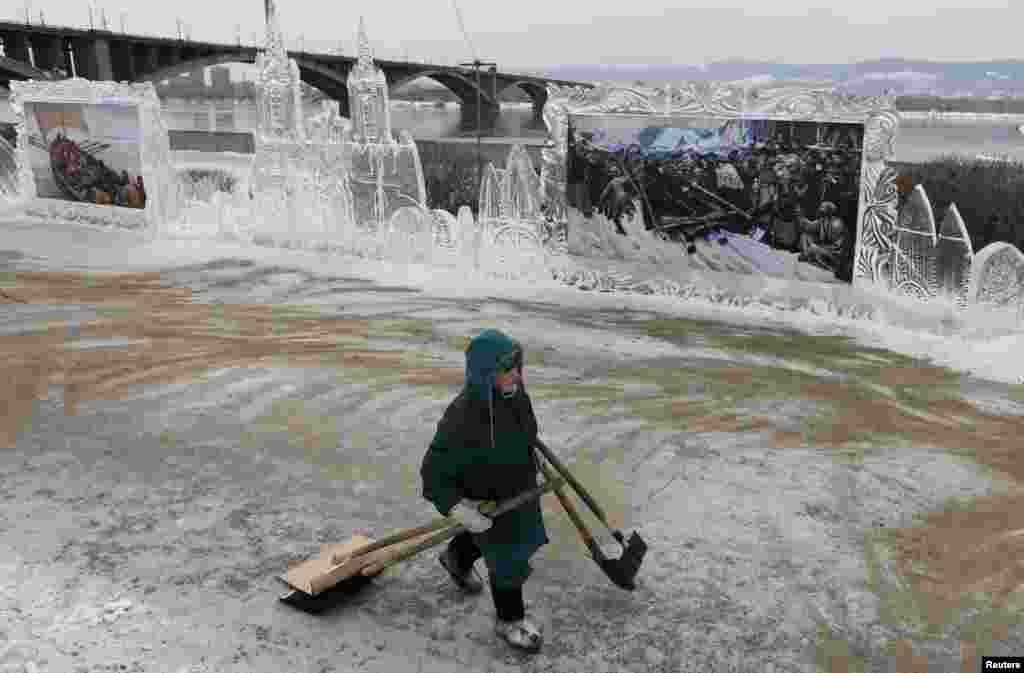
{"x":482,"y":362}
{"x":482,"y":367}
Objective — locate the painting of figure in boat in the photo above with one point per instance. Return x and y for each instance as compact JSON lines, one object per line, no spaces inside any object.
{"x":86,"y":153}
{"x":771,"y":188}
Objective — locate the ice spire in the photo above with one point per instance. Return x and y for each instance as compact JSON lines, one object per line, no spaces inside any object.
{"x":368,"y":94}
{"x":275,"y":40}
{"x":280,"y":101}
{"x":365,"y":57}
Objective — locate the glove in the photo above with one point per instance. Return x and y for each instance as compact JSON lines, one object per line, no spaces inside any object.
{"x":467,"y":513}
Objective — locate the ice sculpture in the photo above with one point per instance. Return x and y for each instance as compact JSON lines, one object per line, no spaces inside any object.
{"x":523,"y":185}
{"x":954,"y":257}
{"x":326,"y":180}
{"x":915,"y":267}
{"x":446,"y":229}
{"x":277,"y":165}
{"x":136,"y":143}
{"x":386,"y":175}
{"x":518,"y":245}
{"x":997,"y":276}
{"x":9,"y":175}
{"x":299,"y":184}
{"x":327,"y":127}
{"x":511,"y":227}
{"x":490,"y":211}
{"x":411,"y":234}
{"x":330,"y":180}
{"x":511,"y":194}
{"x":327,"y":168}
{"x":280,"y":102}
{"x":368,"y":95}
{"x":522,"y":195}
{"x":469,"y":237}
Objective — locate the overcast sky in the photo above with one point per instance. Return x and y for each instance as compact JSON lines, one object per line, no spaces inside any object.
{"x":534,"y":33}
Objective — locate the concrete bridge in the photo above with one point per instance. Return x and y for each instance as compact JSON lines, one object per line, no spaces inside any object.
{"x":52,"y":52}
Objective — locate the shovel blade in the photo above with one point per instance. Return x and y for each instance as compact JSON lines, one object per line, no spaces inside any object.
{"x":325,"y":600}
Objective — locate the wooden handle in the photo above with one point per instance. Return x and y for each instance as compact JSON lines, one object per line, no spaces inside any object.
{"x":401,"y":536}
{"x":576,"y":485}
{"x":574,"y":515}
{"x":455,"y":528}
{"x":402,"y":553}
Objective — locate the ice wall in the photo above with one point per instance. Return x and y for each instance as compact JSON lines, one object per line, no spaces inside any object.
{"x":9,"y":174}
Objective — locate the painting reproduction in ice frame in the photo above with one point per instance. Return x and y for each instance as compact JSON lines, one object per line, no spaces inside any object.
{"x":878,"y":198}
{"x":94,"y":152}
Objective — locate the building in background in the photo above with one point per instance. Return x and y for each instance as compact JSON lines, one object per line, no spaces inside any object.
{"x":220,"y":81}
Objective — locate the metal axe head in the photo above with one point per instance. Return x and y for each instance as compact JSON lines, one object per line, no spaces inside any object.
{"x":623,"y":570}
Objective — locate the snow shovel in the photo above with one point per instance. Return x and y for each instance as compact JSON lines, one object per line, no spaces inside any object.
{"x":342,"y":570}
{"x":621,"y":571}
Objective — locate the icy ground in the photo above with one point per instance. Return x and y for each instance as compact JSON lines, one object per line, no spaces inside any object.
{"x":169,"y":453}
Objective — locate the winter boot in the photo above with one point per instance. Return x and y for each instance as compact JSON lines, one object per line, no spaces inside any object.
{"x":465,"y":580}
{"x":521,"y":634}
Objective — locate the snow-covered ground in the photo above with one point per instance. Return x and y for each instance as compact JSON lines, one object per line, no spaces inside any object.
{"x":157,"y":480}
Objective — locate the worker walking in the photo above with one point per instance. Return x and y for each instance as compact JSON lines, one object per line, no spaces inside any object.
{"x":482,"y":451}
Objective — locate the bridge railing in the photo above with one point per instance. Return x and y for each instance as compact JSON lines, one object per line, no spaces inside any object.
{"x":297,"y":45}
{"x":294,"y":45}
{"x":114,"y":29}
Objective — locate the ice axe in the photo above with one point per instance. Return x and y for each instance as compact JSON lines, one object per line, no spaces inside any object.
{"x":621,"y":571}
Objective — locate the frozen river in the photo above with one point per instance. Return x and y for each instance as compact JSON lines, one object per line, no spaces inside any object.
{"x":920,"y":138}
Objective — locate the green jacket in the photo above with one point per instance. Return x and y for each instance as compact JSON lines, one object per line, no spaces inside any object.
{"x":482,"y":450}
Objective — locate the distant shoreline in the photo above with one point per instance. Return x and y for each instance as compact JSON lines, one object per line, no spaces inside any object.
{"x":915,"y":107}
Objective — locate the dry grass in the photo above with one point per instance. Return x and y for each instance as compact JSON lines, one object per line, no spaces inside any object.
{"x":170,"y":340}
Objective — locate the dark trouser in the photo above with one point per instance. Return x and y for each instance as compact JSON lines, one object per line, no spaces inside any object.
{"x":508,"y":603}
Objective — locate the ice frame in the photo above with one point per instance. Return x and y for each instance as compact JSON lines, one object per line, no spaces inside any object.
{"x":877,"y":207}
{"x":155,"y":154}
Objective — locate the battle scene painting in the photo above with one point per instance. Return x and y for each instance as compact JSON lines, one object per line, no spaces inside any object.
{"x":86,"y":153}
{"x":784,"y":186}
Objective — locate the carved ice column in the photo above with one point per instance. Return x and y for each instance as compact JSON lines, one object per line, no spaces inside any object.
{"x":997,"y":276}
{"x":524,"y":184}
{"x":955,"y":255}
{"x":875,"y":251}
{"x":489,"y":208}
{"x":915,"y":267}
{"x":10,"y":189}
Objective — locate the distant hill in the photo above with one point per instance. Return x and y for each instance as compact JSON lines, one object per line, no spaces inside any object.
{"x":905,"y":76}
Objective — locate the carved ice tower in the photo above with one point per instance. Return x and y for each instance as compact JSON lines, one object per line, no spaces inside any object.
{"x":281,"y":133}
{"x":385,"y":174}
{"x":368,"y":96}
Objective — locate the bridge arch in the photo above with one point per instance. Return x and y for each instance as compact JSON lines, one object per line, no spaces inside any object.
{"x":331,"y":82}
{"x":191,"y":64}
{"x":13,"y":69}
{"x":334,"y":83}
{"x":534,"y":89}
{"x":463,"y":87}
{"x":537,"y":92}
